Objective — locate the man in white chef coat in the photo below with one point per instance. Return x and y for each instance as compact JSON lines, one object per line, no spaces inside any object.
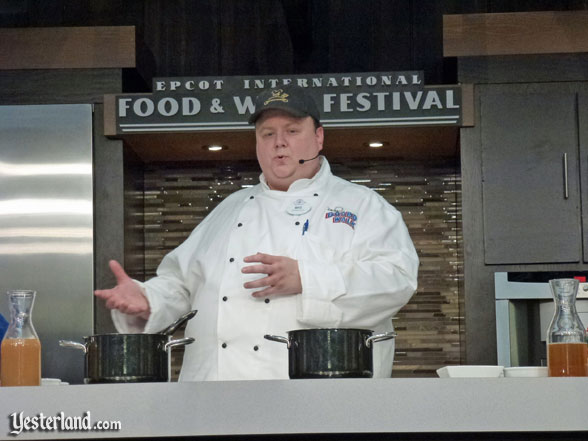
{"x":301,"y":249}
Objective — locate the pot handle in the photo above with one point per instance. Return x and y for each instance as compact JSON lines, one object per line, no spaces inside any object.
{"x":278,"y":338}
{"x":379,"y":337}
{"x":178,"y":342}
{"x":72,"y":344}
{"x":179,"y":322}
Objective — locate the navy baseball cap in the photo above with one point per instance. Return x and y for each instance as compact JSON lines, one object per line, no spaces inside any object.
{"x":292,"y":99}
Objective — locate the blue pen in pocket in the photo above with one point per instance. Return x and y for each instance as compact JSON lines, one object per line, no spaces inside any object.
{"x":305,"y":227}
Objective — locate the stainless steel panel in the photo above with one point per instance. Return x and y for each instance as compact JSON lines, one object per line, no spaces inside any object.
{"x":503,"y":333}
{"x":46,"y":224}
{"x":505,"y":290}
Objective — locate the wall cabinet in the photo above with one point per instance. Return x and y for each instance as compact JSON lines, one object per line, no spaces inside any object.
{"x":534,"y":173}
{"x":583,"y":144}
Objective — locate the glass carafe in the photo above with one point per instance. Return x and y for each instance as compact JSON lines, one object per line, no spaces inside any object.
{"x":566,"y":337}
{"x":21,"y":349}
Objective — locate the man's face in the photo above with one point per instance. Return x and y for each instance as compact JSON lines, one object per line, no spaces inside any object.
{"x":282,"y":141}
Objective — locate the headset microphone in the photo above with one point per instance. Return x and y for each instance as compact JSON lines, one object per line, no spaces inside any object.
{"x":302,"y":161}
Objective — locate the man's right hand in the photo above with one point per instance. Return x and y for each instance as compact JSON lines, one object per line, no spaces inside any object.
{"x":127,"y":296}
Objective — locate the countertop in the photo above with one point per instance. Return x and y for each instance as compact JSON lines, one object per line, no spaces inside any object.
{"x":290,"y":407}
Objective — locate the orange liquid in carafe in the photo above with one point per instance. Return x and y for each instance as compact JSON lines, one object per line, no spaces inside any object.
{"x":21,"y":362}
{"x":566,"y":359}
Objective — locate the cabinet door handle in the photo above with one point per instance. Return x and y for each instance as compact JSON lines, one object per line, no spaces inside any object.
{"x":565,"y":170}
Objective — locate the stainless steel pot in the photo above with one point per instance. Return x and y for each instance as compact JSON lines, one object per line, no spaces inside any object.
{"x":129,"y":358}
{"x":330,"y":353}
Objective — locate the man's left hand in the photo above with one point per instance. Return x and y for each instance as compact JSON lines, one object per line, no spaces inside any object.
{"x":283,"y":276}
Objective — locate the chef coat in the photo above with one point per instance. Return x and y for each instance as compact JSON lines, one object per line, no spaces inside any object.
{"x":357,"y":264}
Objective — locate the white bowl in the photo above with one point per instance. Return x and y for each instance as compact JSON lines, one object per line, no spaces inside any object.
{"x":525,"y":371}
{"x":52,"y":382}
{"x":470,"y":371}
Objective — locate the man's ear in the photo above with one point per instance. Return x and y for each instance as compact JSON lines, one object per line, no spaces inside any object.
{"x":320,"y":137}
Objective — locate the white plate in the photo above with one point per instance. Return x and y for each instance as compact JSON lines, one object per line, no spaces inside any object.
{"x":470,"y":371}
{"x":52,"y":382}
{"x":525,"y":371}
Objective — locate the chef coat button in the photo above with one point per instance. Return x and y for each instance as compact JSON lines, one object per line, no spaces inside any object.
{"x":225,"y":298}
{"x":256,"y":348}
{"x":251,"y":197}
{"x":266,"y":300}
{"x":316,"y":194}
{"x":231,"y":260}
{"x":297,"y":223}
{"x":239,"y":224}
{"x":224,"y":345}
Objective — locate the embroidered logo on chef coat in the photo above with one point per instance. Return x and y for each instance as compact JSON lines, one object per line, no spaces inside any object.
{"x":339,"y":215}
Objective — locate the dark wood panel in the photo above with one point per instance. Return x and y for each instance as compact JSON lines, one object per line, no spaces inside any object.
{"x":515,"y":33}
{"x":468,"y":108}
{"x":490,"y":6}
{"x":118,"y":214}
{"x":58,"y":85}
{"x":523,"y":68}
{"x":108,"y":214}
{"x":67,"y":47}
{"x":480,"y":328}
{"x":583,"y":145}
{"x":528,"y":218}
{"x":533,"y":5}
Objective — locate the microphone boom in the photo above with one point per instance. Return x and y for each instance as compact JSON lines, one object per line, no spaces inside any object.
{"x":302,"y":161}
